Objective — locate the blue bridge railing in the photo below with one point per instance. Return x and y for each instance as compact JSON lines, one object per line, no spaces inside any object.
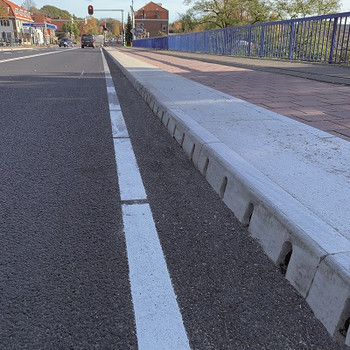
{"x":316,"y":39}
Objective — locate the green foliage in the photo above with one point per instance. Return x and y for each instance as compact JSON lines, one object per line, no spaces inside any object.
{"x":128,"y":33}
{"x":225,"y":13}
{"x":92,"y":26}
{"x":189,"y":23}
{"x":303,"y":8}
{"x":113,"y":26}
{"x":71,"y":28}
{"x":53,"y":11}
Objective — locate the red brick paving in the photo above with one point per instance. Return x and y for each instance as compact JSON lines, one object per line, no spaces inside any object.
{"x":322,"y":105}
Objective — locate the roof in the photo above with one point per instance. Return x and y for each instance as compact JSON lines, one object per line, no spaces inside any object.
{"x":152,"y":11}
{"x":18,"y":11}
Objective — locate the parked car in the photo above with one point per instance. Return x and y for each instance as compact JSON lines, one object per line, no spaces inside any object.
{"x":66,"y":42}
{"x":87,"y":40}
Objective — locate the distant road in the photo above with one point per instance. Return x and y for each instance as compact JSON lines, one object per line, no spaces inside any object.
{"x":64,"y":272}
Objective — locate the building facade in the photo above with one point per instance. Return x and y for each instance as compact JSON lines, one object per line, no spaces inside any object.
{"x":19,"y":27}
{"x":12,"y":17}
{"x":47,"y":35}
{"x":151,"y":20}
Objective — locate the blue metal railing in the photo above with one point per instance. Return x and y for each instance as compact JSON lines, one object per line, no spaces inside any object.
{"x":316,"y":39}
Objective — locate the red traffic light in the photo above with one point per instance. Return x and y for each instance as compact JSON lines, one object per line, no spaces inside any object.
{"x":90,"y":10}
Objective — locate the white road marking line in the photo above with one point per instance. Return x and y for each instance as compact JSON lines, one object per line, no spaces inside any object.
{"x":130,"y":181}
{"x":111,"y":90}
{"x":31,"y":56}
{"x":118,"y":124}
{"x":159,"y":324}
{"x":158,"y":320}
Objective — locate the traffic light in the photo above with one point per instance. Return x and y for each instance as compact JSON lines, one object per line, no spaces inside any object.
{"x":104,"y":26}
{"x":90,"y":10}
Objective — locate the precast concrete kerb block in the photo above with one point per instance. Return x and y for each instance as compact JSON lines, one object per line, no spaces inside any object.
{"x":329,"y":295}
{"x":314,"y":257}
{"x":189,"y":134}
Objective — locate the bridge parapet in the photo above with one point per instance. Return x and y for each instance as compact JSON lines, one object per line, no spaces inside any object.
{"x":314,"y":39}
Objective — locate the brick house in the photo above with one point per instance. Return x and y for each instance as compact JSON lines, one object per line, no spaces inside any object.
{"x":151,"y":20}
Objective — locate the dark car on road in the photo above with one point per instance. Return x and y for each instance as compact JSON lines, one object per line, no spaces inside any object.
{"x":87,"y":40}
{"x":66,"y":42}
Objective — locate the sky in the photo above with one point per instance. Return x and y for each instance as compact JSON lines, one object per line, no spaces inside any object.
{"x":79,"y":7}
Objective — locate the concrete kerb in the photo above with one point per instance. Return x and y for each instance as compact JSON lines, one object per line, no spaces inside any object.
{"x":332,"y":279}
{"x":313,"y":255}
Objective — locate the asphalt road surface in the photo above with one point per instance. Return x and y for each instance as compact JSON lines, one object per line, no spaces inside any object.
{"x":65,"y":257}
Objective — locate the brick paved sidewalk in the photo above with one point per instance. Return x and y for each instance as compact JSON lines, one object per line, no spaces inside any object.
{"x":325,"y":106}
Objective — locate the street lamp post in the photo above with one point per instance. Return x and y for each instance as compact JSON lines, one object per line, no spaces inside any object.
{"x":133,"y":19}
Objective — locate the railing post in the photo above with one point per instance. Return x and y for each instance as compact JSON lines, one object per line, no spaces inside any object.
{"x":291,"y":41}
{"x":249,"y":40}
{"x":205,"y":42}
{"x":262,"y":44}
{"x":335,"y":23}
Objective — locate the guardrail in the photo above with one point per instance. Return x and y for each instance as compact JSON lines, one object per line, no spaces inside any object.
{"x":316,"y":39}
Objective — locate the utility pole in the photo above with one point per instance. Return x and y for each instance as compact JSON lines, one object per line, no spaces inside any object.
{"x":133,"y":19}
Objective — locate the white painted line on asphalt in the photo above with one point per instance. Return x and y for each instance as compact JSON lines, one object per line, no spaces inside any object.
{"x":158,"y":319}
{"x":130,"y":181}
{"x":118,"y":124}
{"x":32,"y":56}
{"x":114,"y":106}
{"x":110,"y":90}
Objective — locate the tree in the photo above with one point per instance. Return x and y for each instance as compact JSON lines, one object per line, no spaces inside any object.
{"x":224,"y":13}
{"x":29,"y":5}
{"x":113,"y":26}
{"x":71,"y":28}
{"x":91,"y":26}
{"x":52,"y":11}
{"x":128,"y":33}
{"x":3,"y":10}
{"x":189,"y":23}
{"x":303,"y":8}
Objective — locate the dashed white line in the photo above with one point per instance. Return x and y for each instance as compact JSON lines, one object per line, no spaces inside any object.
{"x":129,"y":178}
{"x":159,"y":324}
